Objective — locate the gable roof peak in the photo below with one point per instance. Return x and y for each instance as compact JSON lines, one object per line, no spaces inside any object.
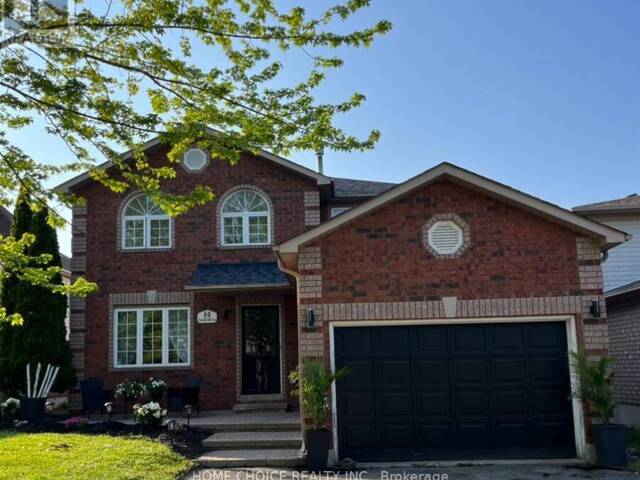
{"x":609,"y":236}
{"x":84,"y":177}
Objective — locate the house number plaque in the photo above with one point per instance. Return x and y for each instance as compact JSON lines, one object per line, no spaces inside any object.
{"x":207,"y":316}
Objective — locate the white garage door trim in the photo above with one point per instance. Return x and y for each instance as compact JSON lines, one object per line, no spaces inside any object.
{"x":572,"y":346}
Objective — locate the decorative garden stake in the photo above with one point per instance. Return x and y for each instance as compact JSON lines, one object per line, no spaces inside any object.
{"x":108,"y":406}
{"x":171,"y":428}
{"x":188,"y":410}
{"x":33,"y":405}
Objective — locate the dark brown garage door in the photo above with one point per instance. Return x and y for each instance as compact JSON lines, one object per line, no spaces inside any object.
{"x":454,"y":392}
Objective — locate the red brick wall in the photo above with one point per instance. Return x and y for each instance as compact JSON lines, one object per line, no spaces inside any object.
{"x":513,"y":253}
{"x":115,"y":271}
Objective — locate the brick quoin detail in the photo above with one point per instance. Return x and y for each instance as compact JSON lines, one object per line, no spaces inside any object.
{"x":195,"y":241}
{"x":518,"y":264}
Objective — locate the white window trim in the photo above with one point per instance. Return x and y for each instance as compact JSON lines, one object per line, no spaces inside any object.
{"x":139,"y":333}
{"x":146,"y":219}
{"x":245,"y":216}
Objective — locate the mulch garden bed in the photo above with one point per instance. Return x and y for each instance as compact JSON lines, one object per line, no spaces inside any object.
{"x":186,"y":441}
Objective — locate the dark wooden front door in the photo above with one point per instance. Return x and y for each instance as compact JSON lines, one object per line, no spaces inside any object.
{"x":260,"y":349}
{"x":454,"y":391}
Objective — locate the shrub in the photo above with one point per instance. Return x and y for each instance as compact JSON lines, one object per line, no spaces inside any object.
{"x":149,"y":413}
{"x":9,"y":408}
{"x":74,"y":422}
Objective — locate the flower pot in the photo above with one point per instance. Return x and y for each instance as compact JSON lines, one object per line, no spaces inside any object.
{"x":318,"y":443}
{"x":611,"y":444}
{"x":32,"y":409}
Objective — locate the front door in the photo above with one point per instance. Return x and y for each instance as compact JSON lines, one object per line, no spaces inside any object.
{"x":260,"y":349}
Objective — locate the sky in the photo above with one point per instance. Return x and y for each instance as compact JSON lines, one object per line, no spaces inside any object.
{"x":541,"y":95}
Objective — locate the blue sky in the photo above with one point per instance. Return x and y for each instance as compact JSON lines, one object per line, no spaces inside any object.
{"x":542,"y":95}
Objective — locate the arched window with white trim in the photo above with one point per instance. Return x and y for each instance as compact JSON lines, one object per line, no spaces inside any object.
{"x":245,"y":219}
{"x":145,"y":225}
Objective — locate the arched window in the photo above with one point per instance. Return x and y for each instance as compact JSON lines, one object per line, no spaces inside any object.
{"x":245,"y":219}
{"x":145,"y":225}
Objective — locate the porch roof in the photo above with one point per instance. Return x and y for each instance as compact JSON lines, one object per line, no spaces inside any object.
{"x":234,"y":276}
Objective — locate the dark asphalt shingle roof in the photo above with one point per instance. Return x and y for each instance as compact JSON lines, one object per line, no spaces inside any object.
{"x":630,"y":202}
{"x":226,"y":274}
{"x":348,"y":187}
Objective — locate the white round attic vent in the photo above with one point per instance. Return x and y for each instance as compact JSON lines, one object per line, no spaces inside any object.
{"x":195,"y":159}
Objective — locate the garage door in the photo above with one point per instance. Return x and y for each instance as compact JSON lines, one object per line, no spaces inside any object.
{"x":454,"y":392}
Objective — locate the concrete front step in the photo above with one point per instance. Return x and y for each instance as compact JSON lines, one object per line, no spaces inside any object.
{"x":278,"y":406}
{"x":250,"y":422}
{"x":251,"y":440}
{"x":291,"y":457}
{"x":271,"y":397}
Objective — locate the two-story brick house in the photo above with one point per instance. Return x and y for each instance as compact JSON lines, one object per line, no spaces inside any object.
{"x":453,"y":299}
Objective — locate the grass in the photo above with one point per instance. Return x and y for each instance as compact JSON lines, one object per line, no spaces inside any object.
{"x":40,"y":456}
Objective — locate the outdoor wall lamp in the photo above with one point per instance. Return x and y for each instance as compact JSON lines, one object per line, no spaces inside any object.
{"x":595,"y":309}
{"x":310,"y":317}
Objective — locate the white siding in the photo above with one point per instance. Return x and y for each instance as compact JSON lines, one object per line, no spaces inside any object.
{"x":623,"y":264}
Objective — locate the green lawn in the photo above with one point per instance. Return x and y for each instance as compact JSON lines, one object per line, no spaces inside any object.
{"x":96,"y":457}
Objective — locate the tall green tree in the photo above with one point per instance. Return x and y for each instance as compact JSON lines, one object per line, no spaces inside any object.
{"x":42,"y":335}
{"x":117,"y":73}
{"x":21,"y":224}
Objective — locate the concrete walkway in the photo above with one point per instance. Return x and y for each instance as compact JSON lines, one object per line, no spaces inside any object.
{"x":483,"y":472}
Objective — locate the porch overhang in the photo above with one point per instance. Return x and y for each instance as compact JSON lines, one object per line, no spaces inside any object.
{"x":230,"y":277}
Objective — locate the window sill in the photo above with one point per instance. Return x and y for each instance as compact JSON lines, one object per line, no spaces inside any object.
{"x":146,"y":250}
{"x":142,"y":368}
{"x":245,"y":247}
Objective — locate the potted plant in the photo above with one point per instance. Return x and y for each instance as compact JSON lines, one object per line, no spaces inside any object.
{"x":593,"y":386}
{"x":313,"y":384}
{"x":156,"y":388}
{"x":130,"y":391}
{"x":149,"y":413}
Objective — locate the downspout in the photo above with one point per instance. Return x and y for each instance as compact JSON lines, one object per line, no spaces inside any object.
{"x":295,"y":274}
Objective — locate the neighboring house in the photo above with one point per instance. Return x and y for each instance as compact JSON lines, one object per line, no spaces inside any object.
{"x":453,"y":299}
{"x":621,"y":271}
